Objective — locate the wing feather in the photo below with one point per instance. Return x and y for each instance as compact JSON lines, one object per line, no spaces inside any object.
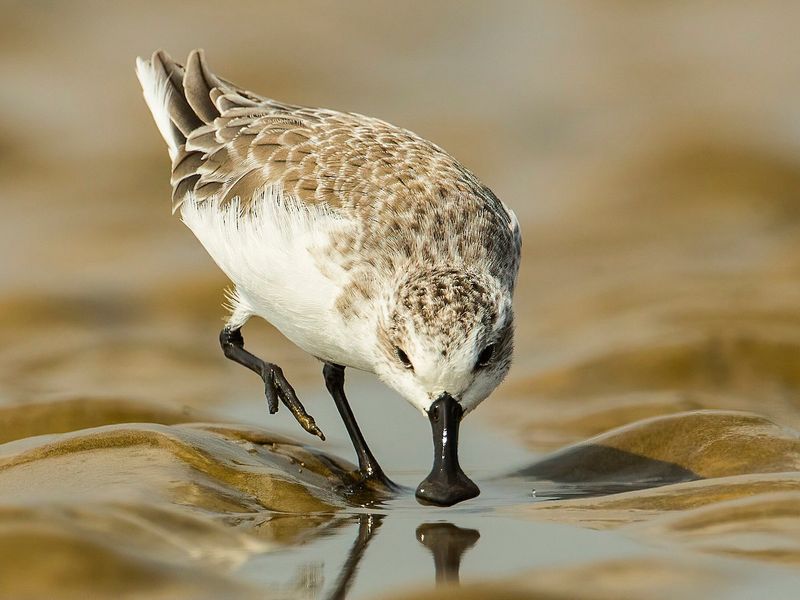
{"x":232,"y":143}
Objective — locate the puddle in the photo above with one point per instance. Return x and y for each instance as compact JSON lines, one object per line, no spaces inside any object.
{"x":414,"y":549}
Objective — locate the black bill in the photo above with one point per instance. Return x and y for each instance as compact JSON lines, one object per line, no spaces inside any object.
{"x":447,"y":484}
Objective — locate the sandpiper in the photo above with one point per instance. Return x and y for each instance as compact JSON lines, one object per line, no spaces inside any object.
{"x":363,"y":243}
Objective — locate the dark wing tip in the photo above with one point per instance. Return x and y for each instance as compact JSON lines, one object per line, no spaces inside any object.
{"x":198,"y":83}
{"x":181,"y":112}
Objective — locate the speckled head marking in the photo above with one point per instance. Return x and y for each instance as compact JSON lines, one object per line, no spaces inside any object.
{"x":443,"y":304}
{"x":448,"y":330}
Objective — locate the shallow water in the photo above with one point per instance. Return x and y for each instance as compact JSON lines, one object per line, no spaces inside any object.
{"x":249,"y":511}
{"x":645,"y":443}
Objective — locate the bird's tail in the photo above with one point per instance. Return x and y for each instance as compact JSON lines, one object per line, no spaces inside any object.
{"x":178,"y":97}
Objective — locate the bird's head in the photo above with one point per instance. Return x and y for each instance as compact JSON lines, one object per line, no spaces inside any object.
{"x":445,"y":340}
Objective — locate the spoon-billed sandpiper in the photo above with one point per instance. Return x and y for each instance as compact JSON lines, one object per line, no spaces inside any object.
{"x":363,"y":243}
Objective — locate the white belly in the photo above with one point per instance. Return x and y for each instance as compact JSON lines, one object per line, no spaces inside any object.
{"x":275,"y":261}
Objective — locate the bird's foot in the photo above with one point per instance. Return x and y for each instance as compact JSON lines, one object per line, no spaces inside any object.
{"x":276,"y":387}
{"x":369,"y":485}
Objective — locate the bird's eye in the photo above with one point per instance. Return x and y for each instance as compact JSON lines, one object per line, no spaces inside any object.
{"x":485,"y":356}
{"x":403,"y":358}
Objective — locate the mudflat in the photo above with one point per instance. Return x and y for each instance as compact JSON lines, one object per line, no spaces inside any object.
{"x":646,"y":441}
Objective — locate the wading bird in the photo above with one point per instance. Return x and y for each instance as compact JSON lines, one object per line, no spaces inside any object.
{"x":364,"y":244}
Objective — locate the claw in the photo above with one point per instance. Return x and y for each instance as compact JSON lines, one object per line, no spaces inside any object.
{"x":306,"y":420}
{"x":275,"y":385}
{"x":289,"y":397}
{"x":307,"y":423}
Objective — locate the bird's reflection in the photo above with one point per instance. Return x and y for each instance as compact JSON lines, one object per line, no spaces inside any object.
{"x":368,"y":525}
{"x":446,"y":542}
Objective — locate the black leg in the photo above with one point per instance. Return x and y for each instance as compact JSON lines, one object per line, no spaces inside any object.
{"x":276,"y":387}
{"x":368,"y":467}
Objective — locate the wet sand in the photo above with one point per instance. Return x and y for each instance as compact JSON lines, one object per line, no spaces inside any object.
{"x":646,"y":442}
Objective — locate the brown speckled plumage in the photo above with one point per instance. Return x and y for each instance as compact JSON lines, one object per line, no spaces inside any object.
{"x":407,"y":194}
{"x":410,"y":227}
{"x":236,"y":142}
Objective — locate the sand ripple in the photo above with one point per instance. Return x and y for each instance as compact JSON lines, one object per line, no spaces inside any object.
{"x":155,"y":509}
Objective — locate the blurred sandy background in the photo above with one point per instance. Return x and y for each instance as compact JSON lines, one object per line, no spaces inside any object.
{"x":650,"y":149}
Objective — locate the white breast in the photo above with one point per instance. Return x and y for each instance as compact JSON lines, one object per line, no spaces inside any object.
{"x":275,"y":257}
